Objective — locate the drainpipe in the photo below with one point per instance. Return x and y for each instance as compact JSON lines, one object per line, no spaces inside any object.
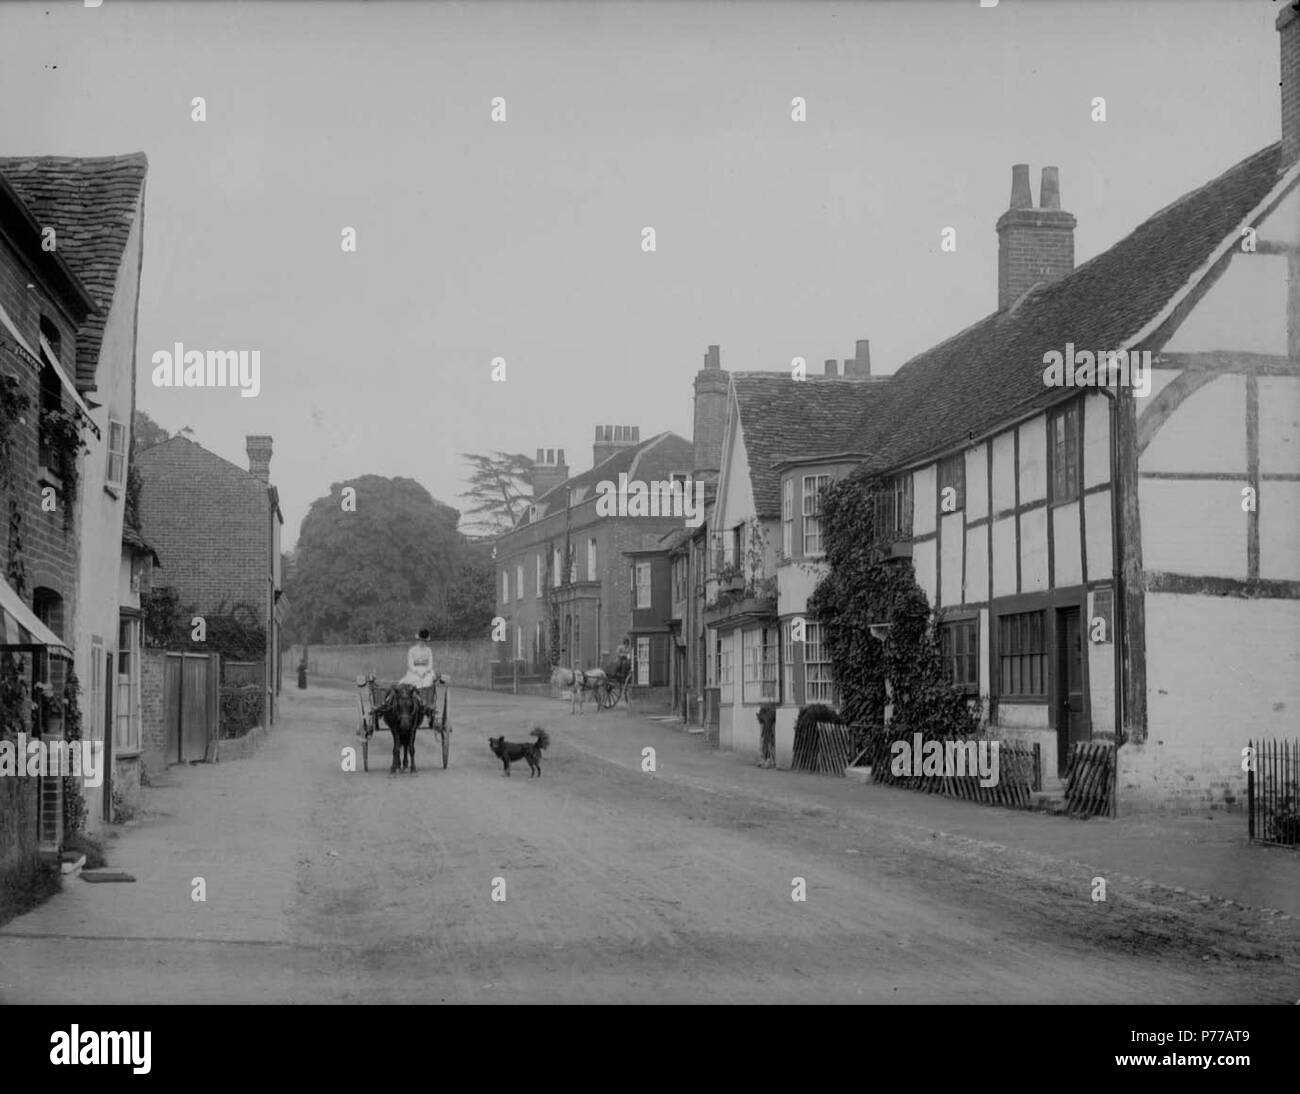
{"x":1117,"y":584}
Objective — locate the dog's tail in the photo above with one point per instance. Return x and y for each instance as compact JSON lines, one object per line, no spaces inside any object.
{"x":542,"y":738}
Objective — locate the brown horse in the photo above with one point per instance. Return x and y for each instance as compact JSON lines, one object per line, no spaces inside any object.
{"x":403,"y":711}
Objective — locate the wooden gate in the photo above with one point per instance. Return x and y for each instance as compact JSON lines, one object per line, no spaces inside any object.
{"x":191,"y":705}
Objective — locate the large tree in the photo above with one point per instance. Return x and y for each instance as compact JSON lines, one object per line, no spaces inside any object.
{"x":145,"y":432}
{"x":500,"y":488}
{"x":375,"y":562}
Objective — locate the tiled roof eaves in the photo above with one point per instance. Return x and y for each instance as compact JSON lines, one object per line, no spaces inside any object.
{"x":82,"y":303}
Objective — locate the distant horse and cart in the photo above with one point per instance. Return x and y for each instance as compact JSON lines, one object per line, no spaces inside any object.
{"x":608,"y":684}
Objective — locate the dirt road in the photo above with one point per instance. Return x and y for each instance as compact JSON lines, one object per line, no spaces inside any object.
{"x":619,"y":885}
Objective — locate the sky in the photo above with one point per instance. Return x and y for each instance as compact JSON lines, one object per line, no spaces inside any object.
{"x":479,"y":239}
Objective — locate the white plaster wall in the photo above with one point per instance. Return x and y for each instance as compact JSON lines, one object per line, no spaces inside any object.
{"x":977,"y":482}
{"x":1100,"y":557}
{"x":1206,"y":433}
{"x":977,"y":565}
{"x":923,"y":563}
{"x":1033,"y":460}
{"x":1220,"y":670}
{"x":1279,"y":530}
{"x":1096,"y":440}
{"x":1101,"y":674}
{"x":1193,"y":527}
{"x":1004,"y":556}
{"x":1067,"y":557}
{"x":952,"y":533}
{"x":1033,"y":550}
{"x":1279,"y":425}
{"x":923,"y":500}
{"x":1004,"y":470}
{"x":1244,"y":310}
{"x":1023,"y":715}
{"x":99,"y":513}
{"x":795,"y":583}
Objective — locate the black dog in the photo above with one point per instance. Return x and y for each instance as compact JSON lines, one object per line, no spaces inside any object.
{"x":507,"y":751}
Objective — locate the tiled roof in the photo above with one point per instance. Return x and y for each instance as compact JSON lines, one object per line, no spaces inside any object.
{"x":668,"y":445}
{"x":993,"y":370}
{"x":90,"y":202}
{"x":782,"y":418}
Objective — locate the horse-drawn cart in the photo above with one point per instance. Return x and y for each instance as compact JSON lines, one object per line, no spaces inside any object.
{"x":374,"y":700}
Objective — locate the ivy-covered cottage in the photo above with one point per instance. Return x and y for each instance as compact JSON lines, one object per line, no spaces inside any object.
{"x":1109,"y":562}
{"x":70,"y":253}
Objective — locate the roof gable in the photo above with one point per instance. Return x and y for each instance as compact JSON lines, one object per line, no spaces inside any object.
{"x":91,"y":204}
{"x":993,"y":371}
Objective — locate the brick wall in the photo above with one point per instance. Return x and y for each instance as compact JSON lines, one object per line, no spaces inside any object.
{"x":1033,"y":245}
{"x":208,"y":521}
{"x":466,"y":664}
{"x":153,"y":734}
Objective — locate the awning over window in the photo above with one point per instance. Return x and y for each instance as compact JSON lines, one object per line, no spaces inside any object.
{"x":19,"y":627}
{"x":48,"y":355}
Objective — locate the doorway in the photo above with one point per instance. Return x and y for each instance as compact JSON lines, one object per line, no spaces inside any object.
{"x":1072,"y":722}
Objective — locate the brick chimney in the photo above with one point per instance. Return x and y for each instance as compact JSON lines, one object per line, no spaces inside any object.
{"x":711,"y":384}
{"x":831,"y":368}
{"x":859,"y":366}
{"x":1033,"y":244}
{"x":259,"y":456}
{"x":1288,"y":28}
{"x":549,"y":470}
{"x":612,"y":438}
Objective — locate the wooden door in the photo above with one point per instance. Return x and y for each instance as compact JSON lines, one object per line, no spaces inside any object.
{"x":1072,"y":724}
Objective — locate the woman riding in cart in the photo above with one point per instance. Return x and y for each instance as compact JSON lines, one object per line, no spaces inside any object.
{"x":419,"y":672}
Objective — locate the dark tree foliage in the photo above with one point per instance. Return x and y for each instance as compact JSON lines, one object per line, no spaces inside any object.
{"x":864,"y":586}
{"x":145,"y":432}
{"x":383,"y":571}
{"x":234,"y":631}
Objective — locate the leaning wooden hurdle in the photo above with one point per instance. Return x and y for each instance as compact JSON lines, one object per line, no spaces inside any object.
{"x":1089,"y":780}
{"x":822,"y":748}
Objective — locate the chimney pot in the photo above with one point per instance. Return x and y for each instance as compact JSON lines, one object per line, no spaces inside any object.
{"x":258,"y":447}
{"x":1021,"y":198}
{"x":832,"y":367}
{"x":862,"y":356}
{"x":1049,"y":192}
{"x":713,"y":358}
{"x":539,"y":456}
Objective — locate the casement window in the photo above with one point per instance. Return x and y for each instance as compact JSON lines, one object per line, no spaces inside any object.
{"x":787,"y":518}
{"x":539,"y":643}
{"x":573,"y":563}
{"x":718,"y":551}
{"x":1065,"y":454}
{"x":126,"y":729}
{"x":643,"y":662}
{"x":893,"y":509}
{"x":726,"y":644}
{"x":734,"y":547}
{"x":819,"y":680}
{"x":959,"y":646}
{"x":116,"y":454}
{"x":1022,"y":654}
{"x":813,"y":485}
{"x":758,"y":644}
{"x":519,"y":581}
{"x":952,"y":484}
{"x":519,"y":643}
{"x":591,"y":559}
{"x":505,"y":586}
{"x":541,"y":567}
{"x":93,"y":718}
{"x":641,"y":583}
{"x":557,"y":569}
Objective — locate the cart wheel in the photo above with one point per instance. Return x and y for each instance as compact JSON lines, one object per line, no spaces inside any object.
{"x":445,"y":734}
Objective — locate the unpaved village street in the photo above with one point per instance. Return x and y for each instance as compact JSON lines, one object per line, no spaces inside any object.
{"x":324,"y":886}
